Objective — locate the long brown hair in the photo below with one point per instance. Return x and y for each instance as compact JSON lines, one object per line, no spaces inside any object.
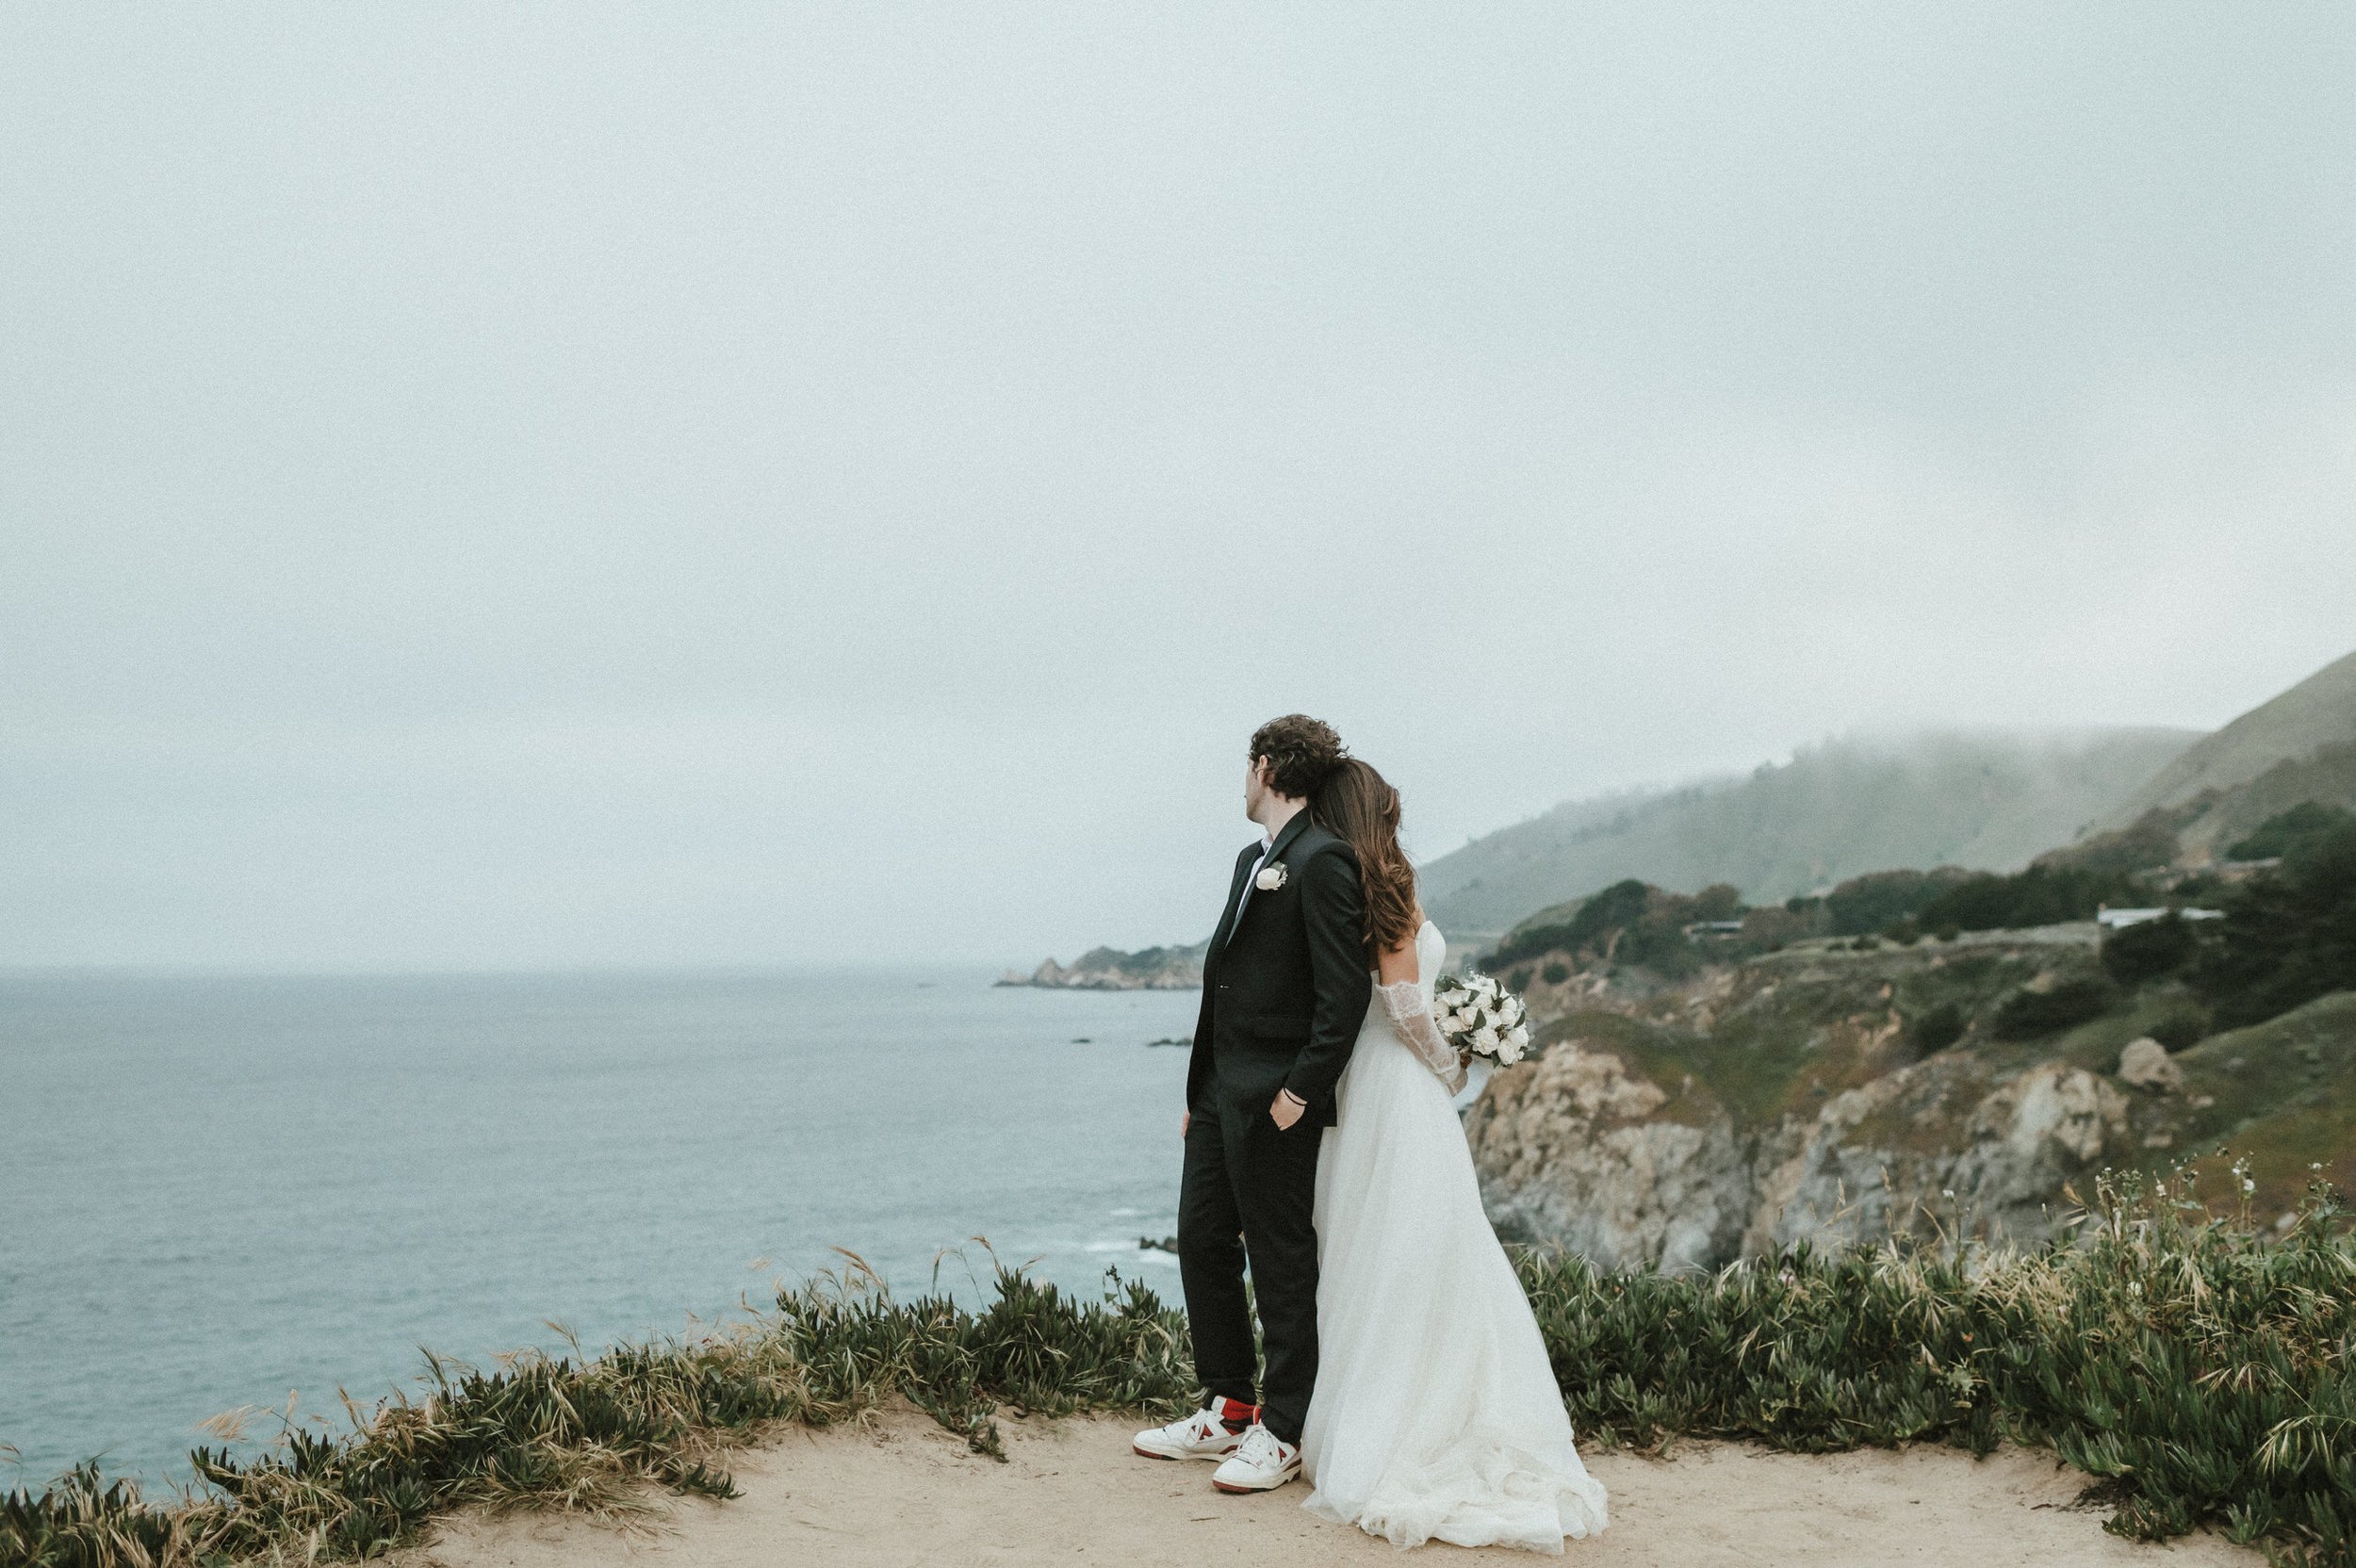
{"x":1358,"y":805}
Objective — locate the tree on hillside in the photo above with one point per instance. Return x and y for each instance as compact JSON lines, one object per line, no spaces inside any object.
{"x":1880,"y":899}
{"x":2042,"y":895}
{"x":2288,"y":937}
{"x":1629,"y":922}
{"x":1719,"y":901}
{"x":2151,"y":951}
{"x":2028,"y":1015}
{"x":2286,"y":832}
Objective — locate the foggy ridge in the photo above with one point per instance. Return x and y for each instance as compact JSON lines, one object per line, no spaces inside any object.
{"x":2319,"y":712}
{"x":1982,"y":799}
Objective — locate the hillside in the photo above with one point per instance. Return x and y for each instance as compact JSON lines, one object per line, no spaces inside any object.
{"x":2299,"y":747}
{"x":2319,"y":712}
{"x":1705,"y":1087}
{"x":1829,"y":1094}
{"x":1989,"y":799}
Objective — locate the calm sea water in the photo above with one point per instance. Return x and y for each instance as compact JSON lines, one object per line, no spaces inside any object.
{"x":216,"y":1191}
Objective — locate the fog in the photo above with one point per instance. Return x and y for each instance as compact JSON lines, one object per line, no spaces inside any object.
{"x":498,"y":486}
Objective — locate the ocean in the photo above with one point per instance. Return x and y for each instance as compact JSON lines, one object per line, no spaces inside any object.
{"x":218,"y":1192}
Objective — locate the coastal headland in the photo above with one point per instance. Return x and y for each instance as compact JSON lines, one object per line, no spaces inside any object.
{"x":1106,"y":969}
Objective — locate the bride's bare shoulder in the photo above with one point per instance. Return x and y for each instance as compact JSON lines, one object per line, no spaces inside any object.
{"x":1401,"y":960}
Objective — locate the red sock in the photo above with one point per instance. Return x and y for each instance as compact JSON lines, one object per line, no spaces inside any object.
{"x":1233,"y":1413}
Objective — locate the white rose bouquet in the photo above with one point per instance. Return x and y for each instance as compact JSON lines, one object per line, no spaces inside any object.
{"x":1479,"y":1015}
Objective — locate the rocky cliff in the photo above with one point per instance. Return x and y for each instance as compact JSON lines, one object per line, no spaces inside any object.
{"x":1809,"y":1095}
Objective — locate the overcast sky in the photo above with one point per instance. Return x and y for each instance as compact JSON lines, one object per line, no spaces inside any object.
{"x":507,"y":486}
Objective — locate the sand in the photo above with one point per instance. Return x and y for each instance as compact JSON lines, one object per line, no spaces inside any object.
{"x":902,"y":1491}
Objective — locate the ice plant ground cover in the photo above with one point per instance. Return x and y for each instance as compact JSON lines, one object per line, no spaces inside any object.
{"x":2199,"y":1370}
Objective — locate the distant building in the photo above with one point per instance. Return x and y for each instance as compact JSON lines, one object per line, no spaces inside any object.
{"x":2113,"y":919}
{"x":1700,"y":929}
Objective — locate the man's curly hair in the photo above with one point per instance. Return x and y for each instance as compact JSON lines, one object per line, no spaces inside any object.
{"x":1302,"y":754}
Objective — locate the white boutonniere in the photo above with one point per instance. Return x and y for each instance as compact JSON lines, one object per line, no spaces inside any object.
{"x":1270,"y":877}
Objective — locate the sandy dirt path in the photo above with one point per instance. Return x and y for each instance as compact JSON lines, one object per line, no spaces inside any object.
{"x":903,"y":1492}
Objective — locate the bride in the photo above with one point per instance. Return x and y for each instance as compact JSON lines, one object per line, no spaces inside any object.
{"x":1435,"y":1415}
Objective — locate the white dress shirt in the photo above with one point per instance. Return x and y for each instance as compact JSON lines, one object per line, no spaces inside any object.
{"x":1251,"y":881}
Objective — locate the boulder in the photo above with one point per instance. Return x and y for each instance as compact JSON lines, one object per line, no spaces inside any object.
{"x":2146,"y":1065}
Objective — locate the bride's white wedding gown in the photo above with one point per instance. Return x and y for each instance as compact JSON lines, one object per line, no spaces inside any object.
{"x":1436,"y":1415}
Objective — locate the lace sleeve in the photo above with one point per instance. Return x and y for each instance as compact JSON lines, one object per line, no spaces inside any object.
{"x":1411,"y":1021}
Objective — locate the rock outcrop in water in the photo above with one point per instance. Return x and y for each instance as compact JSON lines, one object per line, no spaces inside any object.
{"x":1104,"y":969}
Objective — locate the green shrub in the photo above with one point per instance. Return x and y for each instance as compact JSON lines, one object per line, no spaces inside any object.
{"x":2201,"y":890}
{"x":2288,"y":937}
{"x":1881,"y":898}
{"x":2287,"y":832}
{"x":1936,"y":1029}
{"x":1719,"y":901}
{"x":1629,"y":922}
{"x":1616,"y":908}
{"x":2150,"y":951}
{"x":2028,"y":1015}
{"x":2041,"y":895}
{"x":1556,"y":972}
{"x":2181,"y":1028}
{"x":2135,"y":1354}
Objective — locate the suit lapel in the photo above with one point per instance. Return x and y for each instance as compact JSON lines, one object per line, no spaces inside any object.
{"x":1227,"y":919}
{"x":1284,"y":837}
{"x":1291,"y":830}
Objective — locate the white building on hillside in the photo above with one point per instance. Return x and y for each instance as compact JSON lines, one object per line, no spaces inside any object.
{"x":2113,"y":919}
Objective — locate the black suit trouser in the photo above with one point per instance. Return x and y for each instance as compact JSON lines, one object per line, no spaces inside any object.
{"x":1249,"y":1194}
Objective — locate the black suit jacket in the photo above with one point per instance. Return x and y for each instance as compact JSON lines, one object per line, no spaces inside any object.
{"x":1286,"y":988}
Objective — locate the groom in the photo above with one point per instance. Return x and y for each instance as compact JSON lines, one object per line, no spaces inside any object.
{"x":1284,"y":990}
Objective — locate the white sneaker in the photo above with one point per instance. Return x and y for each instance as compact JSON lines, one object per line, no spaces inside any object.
{"x":1261,"y":1462}
{"x":1201,"y":1435}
